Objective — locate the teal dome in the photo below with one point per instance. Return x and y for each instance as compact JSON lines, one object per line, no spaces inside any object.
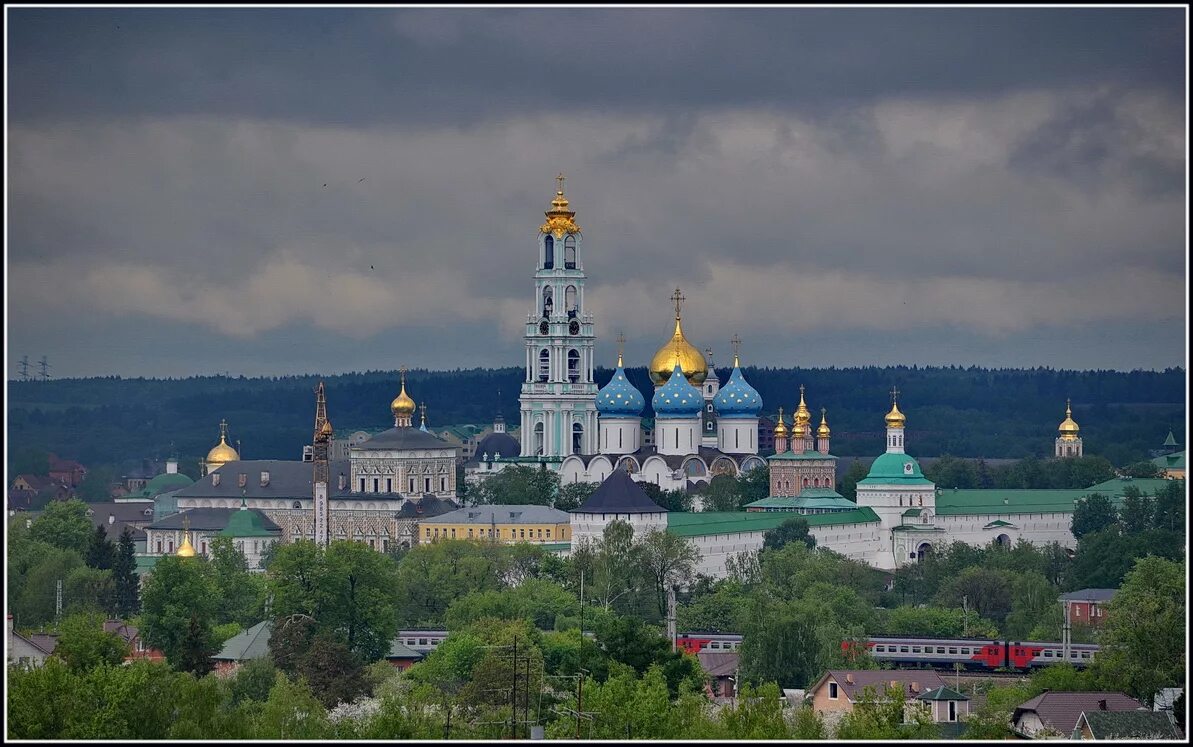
{"x":891,"y":466}
{"x":620,"y":398}
{"x":677,"y":398}
{"x":737,"y":399}
{"x":164,"y":483}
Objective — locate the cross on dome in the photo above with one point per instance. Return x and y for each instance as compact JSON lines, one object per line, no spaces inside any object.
{"x":560,"y":179}
{"x":678,"y":298}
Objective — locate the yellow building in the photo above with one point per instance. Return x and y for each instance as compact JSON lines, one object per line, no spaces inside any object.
{"x":536,"y":524}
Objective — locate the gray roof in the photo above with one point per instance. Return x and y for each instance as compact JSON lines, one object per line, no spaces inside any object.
{"x":498,"y":443}
{"x":499,"y":514}
{"x":923,"y":680}
{"x":208,"y":519}
{"x":1131,"y":725}
{"x":132,"y":515}
{"x":1060,"y":711}
{"x":399,"y":650}
{"x":247,"y":644}
{"x":619,"y":494}
{"x":718,"y":663}
{"x":288,"y":479}
{"x":425,"y":507}
{"x":404,"y":438}
{"x":1090,"y":595}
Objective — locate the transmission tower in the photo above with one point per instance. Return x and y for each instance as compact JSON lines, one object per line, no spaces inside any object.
{"x":24,"y":368}
{"x":45,"y":369}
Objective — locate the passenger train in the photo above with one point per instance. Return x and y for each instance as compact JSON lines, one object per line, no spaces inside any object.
{"x":901,"y":651}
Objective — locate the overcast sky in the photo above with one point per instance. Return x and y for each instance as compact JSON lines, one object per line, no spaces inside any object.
{"x":1000,"y":187}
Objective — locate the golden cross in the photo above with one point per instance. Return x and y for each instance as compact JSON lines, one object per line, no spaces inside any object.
{"x":423,"y":411}
{"x":560,"y":179}
{"x":186,"y":522}
{"x":736,"y":343}
{"x":894,"y":394}
{"x":223,"y":428}
{"x":620,"y":345}
{"x":403,"y":370}
{"x":678,"y":299}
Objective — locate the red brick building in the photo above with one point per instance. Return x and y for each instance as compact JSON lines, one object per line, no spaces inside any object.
{"x":1087,"y":606}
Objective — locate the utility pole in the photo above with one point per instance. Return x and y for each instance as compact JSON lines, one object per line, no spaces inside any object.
{"x":1066,"y":633}
{"x":24,"y":368}
{"x":965,"y":615}
{"x":58,"y":603}
{"x":580,"y":659}
{"x":671,"y":615}
{"x":514,"y":694}
{"x":45,"y":369}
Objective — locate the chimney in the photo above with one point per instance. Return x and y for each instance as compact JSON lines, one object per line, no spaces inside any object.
{"x":242,"y":480}
{"x":264,"y":479}
{"x":171,"y":466}
{"x":1102,"y":705}
{"x":111,"y":519}
{"x":849,"y":678}
{"x":915,"y":687}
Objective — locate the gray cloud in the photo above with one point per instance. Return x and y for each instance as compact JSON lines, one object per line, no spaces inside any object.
{"x":836,"y":176}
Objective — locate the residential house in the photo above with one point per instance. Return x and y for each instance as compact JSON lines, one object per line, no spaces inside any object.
{"x":246,"y":645}
{"x":66,"y":471}
{"x":721,"y":668}
{"x":131,"y":635}
{"x":33,"y":492}
{"x":1119,"y":725}
{"x":1172,"y":466}
{"x":838,"y":690}
{"x":1053,"y":715}
{"x":402,"y":656}
{"x":114,"y":516}
{"x":946,"y":705}
{"x":31,"y":650}
{"x":1087,"y":606}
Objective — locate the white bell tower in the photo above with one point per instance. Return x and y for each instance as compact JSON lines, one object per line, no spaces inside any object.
{"x":558,"y":398}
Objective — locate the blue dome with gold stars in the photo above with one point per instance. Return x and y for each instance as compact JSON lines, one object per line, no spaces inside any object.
{"x":737,"y":398}
{"x":677,"y":398}
{"x":620,"y":398}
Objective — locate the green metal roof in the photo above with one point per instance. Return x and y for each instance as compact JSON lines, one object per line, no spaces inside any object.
{"x":726,"y":522}
{"x":961,"y":502}
{"x":164,"y":483}
{"x":247,"y":644}
{"x":145,"y":563}
{"x":999,"y":523}
{"x":893,"y":468}
{"x":943,"y":693}
{"x":1171,"y":440}
{"x":789,"y":455}
{"x":556,"y":546}
{"x":913,"y":512}
{"x":1170,"y":461}
{"x":830,"y":500}
{"x":1115,"y":487}
{"x":247,"y":523}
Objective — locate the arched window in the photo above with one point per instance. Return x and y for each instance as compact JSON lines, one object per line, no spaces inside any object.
{"x":538,"y":437}
{"x":548,"y":253}
{"x":569,"y":252}
{"x":569,"y":298}
{"x":548,"y":303}
{"x":544,"y":365}
{"x":577,"y":437}
{"x":573,"y":365}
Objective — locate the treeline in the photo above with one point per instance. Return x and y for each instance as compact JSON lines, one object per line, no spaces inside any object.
{"x":970,"y":412}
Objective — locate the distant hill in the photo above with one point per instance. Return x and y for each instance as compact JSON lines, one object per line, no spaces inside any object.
{"x":995,"y":413}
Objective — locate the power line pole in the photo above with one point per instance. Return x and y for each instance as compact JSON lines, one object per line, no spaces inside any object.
{"x":58,"y":603}
{"x":671,"y":615}
{"x":45,"y":368}
{"x":580,"y":659}
{"x":24,"y":368}
{"x":514,"y":693}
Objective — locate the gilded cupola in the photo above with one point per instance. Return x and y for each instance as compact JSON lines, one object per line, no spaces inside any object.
{"x":780,"y":426}
{"x":823,"y":431}
{"x":894,"y":418}
{"x":402,"y":406}
{"x":691,"y":361}
{"x":1068,"y":427}
{"x":802,"y":415}
{"x":186,"y":549}
{"x":560,"y":219}
{"x":221,"y":453}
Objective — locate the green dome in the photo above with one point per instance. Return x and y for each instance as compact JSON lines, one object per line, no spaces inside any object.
{"x":894,"y":467}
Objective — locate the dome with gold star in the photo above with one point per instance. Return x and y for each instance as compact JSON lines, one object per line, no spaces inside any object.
{"x":222,"y":453}
{"x":1068,"y":428}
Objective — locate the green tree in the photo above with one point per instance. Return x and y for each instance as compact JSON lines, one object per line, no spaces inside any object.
{"x":857,"y":471}
{"x":517,"y":485}
{"x":83,"y":644}
{"x":179,"y":603}
{"x":241,"y":593}
{"x":754,"y":485}
{"x":1136,"y":513}
{"x":950,"y":472}
{"x":334,"y":673}
{"x":125,"y":582}
{"x":756,"y":714}
{"x":101,"y":553}
{"x":1169,"y":514}
{"x":431,"y":576}
{"x":887,"y":715}
{"x":291,"y":712}
{"x":1143,"y":469}
{"x":29,"y":460}
{"x":780,"y":645}
{"x":88,"y":589}
{"x":573,"y":495}
{"x":666,"y":559}
{"x":988,"y":593}
{"x":1093,"y":513}
{"x":97,"y":484}
{"x":36,"y":597}
{"x":253,"y":681}
{"x":723,"y":494}
{"x":63,"y":524}
{"x":197,"y":647}
{"x":792,"y":530}
{"x":1143,"y":638}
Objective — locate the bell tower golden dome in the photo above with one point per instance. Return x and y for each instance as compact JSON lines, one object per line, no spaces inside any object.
{"x":894,"y":418}
{"x":1068,"y":428}
{"x":560,"y":219}
{"x":186,"y":549}
{"x":691,"y":361}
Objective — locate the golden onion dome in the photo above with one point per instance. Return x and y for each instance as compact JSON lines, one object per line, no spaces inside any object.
{"x":802,"y":414}
{"x":1068,"y":427}
{"x":691,"y":360}
{"x":823,"y":431}
{"x":560,"y":220}
{"x":799,"y":430}
{"x":780,"y":426}
{"x":894,"y":418}
{"x":186,"y":549}
{"x":222,"y":453}
{"x":402,"y":404}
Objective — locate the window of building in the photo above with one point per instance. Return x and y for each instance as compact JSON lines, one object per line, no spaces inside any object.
{"x":453,"y":532}
{"x":426,"y":485}
{"x":159,"y":546}
{"x":548,"y":534}
{"x":389,"y":485}
{"x":832,"y":691}
{"x":952,"y":710}
{"x":443,"y":484}
{"x":376,"y":484}
{"x":569,"y":253}
{"x":171,"y":548}
{"x":549,"y":253}
{"x":544,"y":365}
{"x":362,"y":485}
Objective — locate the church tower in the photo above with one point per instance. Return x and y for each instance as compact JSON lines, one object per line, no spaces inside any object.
{"x":1068,"y":443}
{"x":558,"y":400}
{"x":322,"y":439}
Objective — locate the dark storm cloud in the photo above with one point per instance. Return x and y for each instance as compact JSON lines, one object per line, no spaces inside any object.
{"x":838,"y":186}
{"x":444,"y":66}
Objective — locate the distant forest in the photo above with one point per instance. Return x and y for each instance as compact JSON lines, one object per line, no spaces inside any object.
{"x":967,"y":412}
